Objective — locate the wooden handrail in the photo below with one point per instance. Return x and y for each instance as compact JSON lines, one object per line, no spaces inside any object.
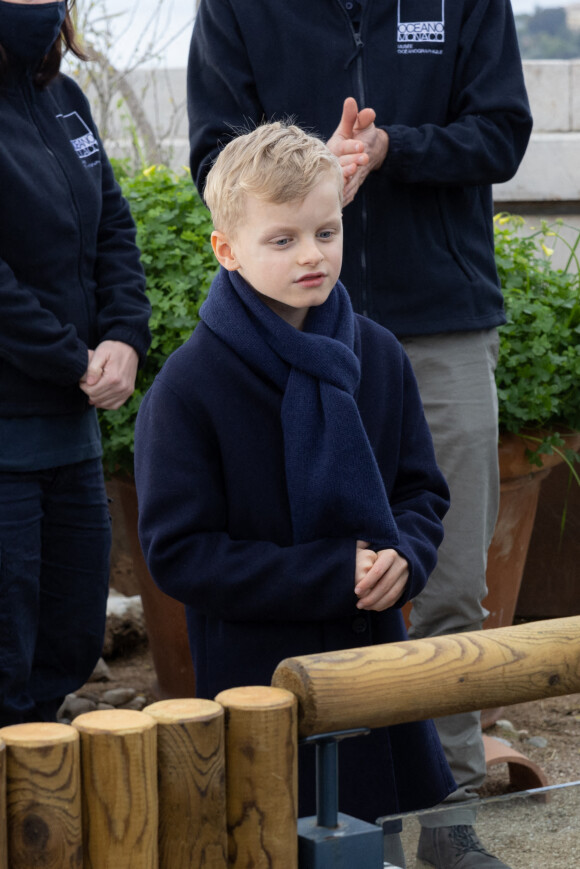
{"x":377,"y":686}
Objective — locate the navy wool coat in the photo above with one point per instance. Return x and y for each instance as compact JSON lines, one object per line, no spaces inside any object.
{"x":216,"y":533}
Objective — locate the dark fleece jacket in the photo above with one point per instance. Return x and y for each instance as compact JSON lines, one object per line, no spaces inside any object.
{"x":446,"y":81}
{"x":70,"y":272}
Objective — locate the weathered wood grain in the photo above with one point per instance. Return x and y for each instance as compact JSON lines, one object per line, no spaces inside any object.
{"x":191,"y":781}
{"x":43,"y":797}
{"x":409,"y":681}
{"x":261,"y":777}
{"x":119,"y":789}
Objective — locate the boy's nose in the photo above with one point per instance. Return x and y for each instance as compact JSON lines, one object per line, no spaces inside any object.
{"x":310,"y":253}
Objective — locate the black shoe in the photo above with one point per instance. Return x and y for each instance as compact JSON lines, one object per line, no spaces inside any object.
{"x":454,"y":848}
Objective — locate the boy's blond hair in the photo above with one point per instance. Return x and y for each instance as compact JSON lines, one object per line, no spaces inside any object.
{"x":276,"y":162}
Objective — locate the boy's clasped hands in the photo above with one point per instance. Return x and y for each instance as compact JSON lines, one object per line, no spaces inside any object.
{"x":380,"y":577}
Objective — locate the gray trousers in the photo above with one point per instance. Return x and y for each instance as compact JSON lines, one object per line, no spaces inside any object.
{"x":455,"y":373}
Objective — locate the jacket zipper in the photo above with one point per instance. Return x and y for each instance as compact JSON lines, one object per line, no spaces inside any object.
{"x":361,"y":195}
{"x":361,"y":192}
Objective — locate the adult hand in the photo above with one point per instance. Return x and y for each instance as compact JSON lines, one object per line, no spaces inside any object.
{"x":360,"y":146}
{"x":110,"y":377}
{"x":343,"y":144}
{"x":384,"y":582}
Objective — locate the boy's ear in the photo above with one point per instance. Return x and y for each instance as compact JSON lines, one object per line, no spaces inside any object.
{"x":223,"y":250}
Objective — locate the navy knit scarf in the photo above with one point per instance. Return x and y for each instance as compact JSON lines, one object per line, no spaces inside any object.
{"x":334,"y":484}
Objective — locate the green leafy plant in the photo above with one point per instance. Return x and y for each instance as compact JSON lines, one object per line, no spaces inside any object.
{"x":539,"y":363}
{"x":173,"y":233}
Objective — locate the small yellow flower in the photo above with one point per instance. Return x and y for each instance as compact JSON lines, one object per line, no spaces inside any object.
{"x":149,"y":171}
{"x":547,"y":250}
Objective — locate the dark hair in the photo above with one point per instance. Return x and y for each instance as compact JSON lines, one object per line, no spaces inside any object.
{"x":50,"y":66}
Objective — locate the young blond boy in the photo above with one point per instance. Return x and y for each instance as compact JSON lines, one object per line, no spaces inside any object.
{"x":286,"y":497}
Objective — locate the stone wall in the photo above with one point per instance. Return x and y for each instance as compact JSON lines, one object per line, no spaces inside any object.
{"x":547,"y":183}
{"x":549,"y":172}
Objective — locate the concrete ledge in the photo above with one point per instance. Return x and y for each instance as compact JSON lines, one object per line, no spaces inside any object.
{"x":550,"y":85}
{"x":549,"y":171}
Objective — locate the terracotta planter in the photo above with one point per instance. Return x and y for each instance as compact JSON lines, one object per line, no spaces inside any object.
{"x":551,"y":582}
{"x":164,"y":616}
{"x":520,"y":485}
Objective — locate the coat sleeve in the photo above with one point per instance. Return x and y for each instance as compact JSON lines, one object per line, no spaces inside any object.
{"x":42,"y":345}
{"x":489,"y":120}
{"x":33,"y":339}
{"x":183,"y":525}
{"x":221,"y":91}
{"x":123,"y":309}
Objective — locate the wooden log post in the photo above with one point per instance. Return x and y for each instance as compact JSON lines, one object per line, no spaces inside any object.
{"x":43,"y":796}
{"x":119,"y":789}
{"x":261,"y":777}
{"x":191,"y":781}
{"x":3,"y":809}
{"x":377,"y":686}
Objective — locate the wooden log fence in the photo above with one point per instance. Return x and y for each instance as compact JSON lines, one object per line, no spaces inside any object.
{"x":191,"y":783}
{"x":378,"y":686}
{"x":213,"y":784}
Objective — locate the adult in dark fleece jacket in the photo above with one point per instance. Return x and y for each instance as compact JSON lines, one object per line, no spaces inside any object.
{"x":73,"y":328}
{"x":446,"y":116}
{"x":282,"y":444}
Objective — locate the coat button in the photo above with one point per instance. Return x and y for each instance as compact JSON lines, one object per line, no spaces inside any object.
{"x":359,"y":625}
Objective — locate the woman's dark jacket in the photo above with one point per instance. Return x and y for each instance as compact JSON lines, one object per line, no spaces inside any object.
{"x":446,"y":82}
{"x":216,"y":531}
{"x":70,"y":273}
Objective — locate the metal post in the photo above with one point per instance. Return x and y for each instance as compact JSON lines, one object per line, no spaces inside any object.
{"x":331,"y":839}
{"x":327,"y":782}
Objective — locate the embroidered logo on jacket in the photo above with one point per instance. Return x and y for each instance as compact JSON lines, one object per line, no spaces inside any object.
{"x":420,"y":26}
{"x":81,"y":137}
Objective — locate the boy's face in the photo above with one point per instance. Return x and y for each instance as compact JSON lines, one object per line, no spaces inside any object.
{"x":289,"y":253}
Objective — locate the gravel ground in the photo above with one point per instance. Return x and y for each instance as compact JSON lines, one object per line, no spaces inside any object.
{"x":530,"y":831}
{"x":525,"y":832}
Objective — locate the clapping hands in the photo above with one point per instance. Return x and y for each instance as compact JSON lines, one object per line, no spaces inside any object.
{"x":360,"y":146}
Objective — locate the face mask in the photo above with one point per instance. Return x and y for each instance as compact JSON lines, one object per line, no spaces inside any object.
{"x":29,"y":32}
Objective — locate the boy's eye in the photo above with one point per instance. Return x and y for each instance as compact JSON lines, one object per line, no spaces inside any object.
{"x":281,"y":242}
{"x":326,"y":233}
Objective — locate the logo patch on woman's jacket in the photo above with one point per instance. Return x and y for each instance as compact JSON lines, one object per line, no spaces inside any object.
{"x":82,"y":138}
